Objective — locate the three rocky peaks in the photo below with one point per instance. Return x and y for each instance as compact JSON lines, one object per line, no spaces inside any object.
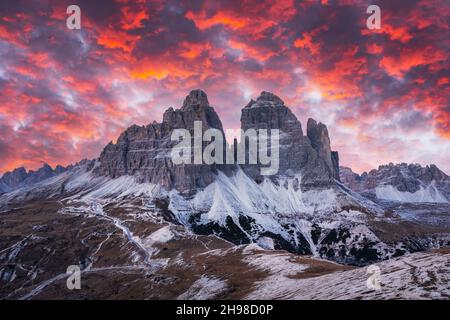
{"x":144,"y":151}
{"x":290,"y":210}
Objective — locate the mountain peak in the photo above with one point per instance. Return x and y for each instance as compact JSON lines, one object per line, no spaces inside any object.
{"x":19,"y":170}
{"x":196,"y":97}
{"x":45,"y":166}
{"x":269,"y":96}
{"x":20,"y":176}
{"x":410,"y":182}
{"x":266,"y":99}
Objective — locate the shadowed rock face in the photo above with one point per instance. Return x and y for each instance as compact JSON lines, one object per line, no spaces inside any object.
{"x":350,"y":179}
{"x":13,"y":179}
{"x":320,"y":141}
{"x":144,"y":152}
{"x":335,"y":161}
{"x":20,"y":177}
{"x":299,"y":154}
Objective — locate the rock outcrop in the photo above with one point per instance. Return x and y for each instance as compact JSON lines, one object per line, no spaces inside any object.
{"x":19,"y":177}
{"x":309,"y":156}
{"x":350,"y":179}
{"x":13,"y":179}
{"x":406,"y":178}
{"x":320,"y":141}
{"x":145,"y":151}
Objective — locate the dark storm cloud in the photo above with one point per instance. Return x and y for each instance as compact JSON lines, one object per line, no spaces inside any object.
{"x":65,"y":93}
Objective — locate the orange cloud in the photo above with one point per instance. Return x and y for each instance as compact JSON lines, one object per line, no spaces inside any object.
{"x":132,"y":18}
{"x":307,"y":42}
{"x":374,"y":48}
{"x":401,"y":33}
{"x":80,"y":85}
{"x":114,"y":39}
{"x":407,"y":59}
{"x":249,"y":51}
{"x":192,"y":50}
{"x":160,"y":70}
{"x":202,"y":22}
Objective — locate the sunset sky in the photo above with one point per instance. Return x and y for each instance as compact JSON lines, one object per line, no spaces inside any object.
{"x":384,"y":94}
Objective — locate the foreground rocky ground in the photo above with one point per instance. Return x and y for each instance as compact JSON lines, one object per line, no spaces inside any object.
{"x":131,"y":251}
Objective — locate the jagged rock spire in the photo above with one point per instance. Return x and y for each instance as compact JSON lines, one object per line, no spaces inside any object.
{"x":196,"y":98}
{"x":145,"y":151}
{"x":297,"y":154}
{"x":265,"y":99}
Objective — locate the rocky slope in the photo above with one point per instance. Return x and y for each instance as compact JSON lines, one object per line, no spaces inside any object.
{"x":130,"y":251}
{"x":417,"y":276}
{"x":401,"y":182}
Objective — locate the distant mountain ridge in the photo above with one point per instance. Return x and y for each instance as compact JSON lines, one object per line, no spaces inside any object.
{"x":401,"y":182}
{"x":20,"y":177}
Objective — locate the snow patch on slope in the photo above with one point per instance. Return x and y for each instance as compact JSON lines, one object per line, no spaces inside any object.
{"x":162,"y":235}
{"x":239,"y":194}
{"x":428,"y":194}
{"x":421,"y":275}
{"x":204,"y":288}
{"x":97,"y":187}
{"x":281,"y":208}
{"x":280,"y":268}
{"x":271,"y":205}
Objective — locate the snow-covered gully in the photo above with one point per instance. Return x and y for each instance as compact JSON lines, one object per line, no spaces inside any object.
{"x":97,"y":208}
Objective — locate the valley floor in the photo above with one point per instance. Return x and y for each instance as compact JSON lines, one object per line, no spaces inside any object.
{"x":128,"y":251}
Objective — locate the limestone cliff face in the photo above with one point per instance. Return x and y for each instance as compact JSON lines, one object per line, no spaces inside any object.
{"x":309,"y":156}
{"x":403,"y":177}
{"x":20,"y":177}
{"x":320,"y":141}
{"x":145,"y":151}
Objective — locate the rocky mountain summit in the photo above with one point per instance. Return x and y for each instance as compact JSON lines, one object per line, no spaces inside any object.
{"x":308,"y":155}
{"x":20,"y":177}
{"x":144,"y":152}
{"x":401,"y":182}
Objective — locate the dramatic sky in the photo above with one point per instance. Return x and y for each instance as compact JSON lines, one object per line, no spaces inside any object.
{"x":384,"y":94}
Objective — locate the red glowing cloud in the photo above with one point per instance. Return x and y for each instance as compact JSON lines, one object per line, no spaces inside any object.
{"x":65,"y":93}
